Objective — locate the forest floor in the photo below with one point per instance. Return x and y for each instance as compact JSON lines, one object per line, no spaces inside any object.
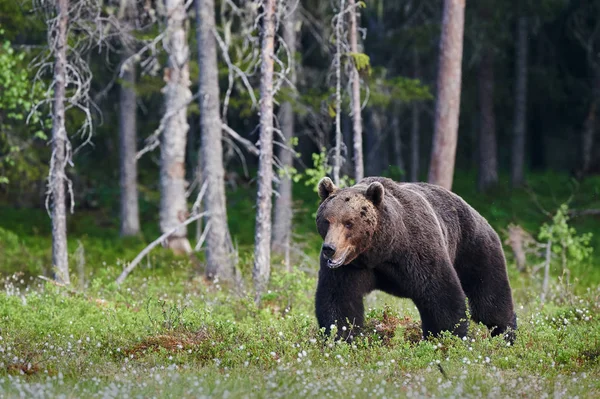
{"x":166,"y":332}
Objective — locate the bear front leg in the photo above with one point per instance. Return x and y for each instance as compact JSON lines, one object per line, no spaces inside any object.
{"x":442,"y":307}
{"x":339,"y":298}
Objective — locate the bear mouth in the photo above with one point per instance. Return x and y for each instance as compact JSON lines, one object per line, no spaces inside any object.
{"x":336,"y":262}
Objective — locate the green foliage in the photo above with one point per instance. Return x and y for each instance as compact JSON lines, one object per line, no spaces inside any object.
{"x":21,"y":122}
{"x":320,"y":169}
{"x":565,"y":239}
{"x":384,"y":91}
{"x":362,"y":62}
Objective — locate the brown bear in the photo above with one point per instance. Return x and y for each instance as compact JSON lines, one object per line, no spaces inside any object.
{"x":412,"y":240}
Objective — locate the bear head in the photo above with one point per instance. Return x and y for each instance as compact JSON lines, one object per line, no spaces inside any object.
{"x":347,"y":220}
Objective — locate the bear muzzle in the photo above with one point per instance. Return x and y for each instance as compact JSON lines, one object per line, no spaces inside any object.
{"x":329,"y":253}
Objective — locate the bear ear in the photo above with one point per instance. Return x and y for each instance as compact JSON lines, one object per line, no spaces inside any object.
{"x":375,"y":193}
{"x":326,"y":187}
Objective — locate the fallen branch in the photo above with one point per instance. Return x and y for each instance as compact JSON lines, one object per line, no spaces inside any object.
{"x":153,"y":244}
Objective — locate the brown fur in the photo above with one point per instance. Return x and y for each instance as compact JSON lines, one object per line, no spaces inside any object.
{"x":417,"y":241}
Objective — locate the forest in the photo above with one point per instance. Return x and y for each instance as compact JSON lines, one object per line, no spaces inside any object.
{"x":159,"y":165}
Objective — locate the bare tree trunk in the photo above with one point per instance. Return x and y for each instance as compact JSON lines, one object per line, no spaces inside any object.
{"x":589,"y":129}
{"x":397,"y":138}
{"x":518,"y":144}
{"x":60,"y":148}
{"x":359,"y":171}
{"x":219,"y":248}
{"x":415,"y":127}
{"x":262,"y":248}
{"x":173,"y":204}
{"x":282,"y":222}
{"x":338,"y":93}
{"x":587,"y":139}
{"x":488,"y":157}
{"x":441,"y":169}
{"x":376,"y":152}
{"x":130,"y":217}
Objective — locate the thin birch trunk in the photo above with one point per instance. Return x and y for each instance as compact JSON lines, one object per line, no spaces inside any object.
{"x":359,"y":171}
{"x":488,"y":154}
{"x":219,"y":248}
{"x":441,"y":170}
{"x":262,"y":247}
{"x":130,"y":217}
{"x":60,"y":148}
{"x":520,"y":131}
{"x":282,"y":217}
{"x":546,"y":281}
{"x":415,"y":127}
{"x":173,"y":204}
{"x":338,"y":93}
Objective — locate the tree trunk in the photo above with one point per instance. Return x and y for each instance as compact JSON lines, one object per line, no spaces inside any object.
{"x":587,"y":138}
{"x":359,"y":171}
{"x":415,"y":127}
{"x":262,"y":250}
{"x":447,"y":108}
{"x":218,"y":240}
{"x":282,"y":222}
{"x":376,"y":153}
{"x":397,"y":138}
{"x":589,"y":129}
{"x":130,"y":217}
{"x":337,"y":161}
{"x":60,"y":148}
{"x":488,"y":157}
{"x":173,"y":204}
{"x":520,"y":131}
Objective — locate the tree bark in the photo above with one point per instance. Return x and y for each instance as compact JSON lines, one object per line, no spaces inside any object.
{"x":337,"y":161}
{"x":415,"y":127}
{"x":377,"y":152}
{"x":219,"y":248}
{"x":488,"y":157}
{"x":520,"y":131}
{"x":262,"y":250}
{"x":282,"y":222}
{"x":60,"y":148}
{"x":130,"y":217}
{"x":589,"y":128}
{"x":397,"y":138}
{"x":173,"y":204}
{"x":359,"y":171}
{"x":447,"y":108}
{"x":587,"y":139}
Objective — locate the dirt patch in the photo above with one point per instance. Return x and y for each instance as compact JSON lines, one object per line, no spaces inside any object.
{"x":23,"y":368}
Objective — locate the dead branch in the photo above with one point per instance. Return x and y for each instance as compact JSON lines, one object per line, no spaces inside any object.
{"x":153,"y":244}
{"x":247,"y":143}
{"x":153,"y":140}
{"x":573,"y":213}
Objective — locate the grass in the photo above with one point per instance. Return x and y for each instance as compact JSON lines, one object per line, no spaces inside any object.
{"x":168,"y":333}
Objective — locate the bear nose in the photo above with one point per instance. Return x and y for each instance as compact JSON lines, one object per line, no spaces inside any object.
{"x":328,"y":250}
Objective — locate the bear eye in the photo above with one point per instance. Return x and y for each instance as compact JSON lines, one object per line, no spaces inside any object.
{"x":348,"y":225}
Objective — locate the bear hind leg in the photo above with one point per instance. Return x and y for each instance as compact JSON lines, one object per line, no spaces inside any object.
{"x":485,"y":282}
